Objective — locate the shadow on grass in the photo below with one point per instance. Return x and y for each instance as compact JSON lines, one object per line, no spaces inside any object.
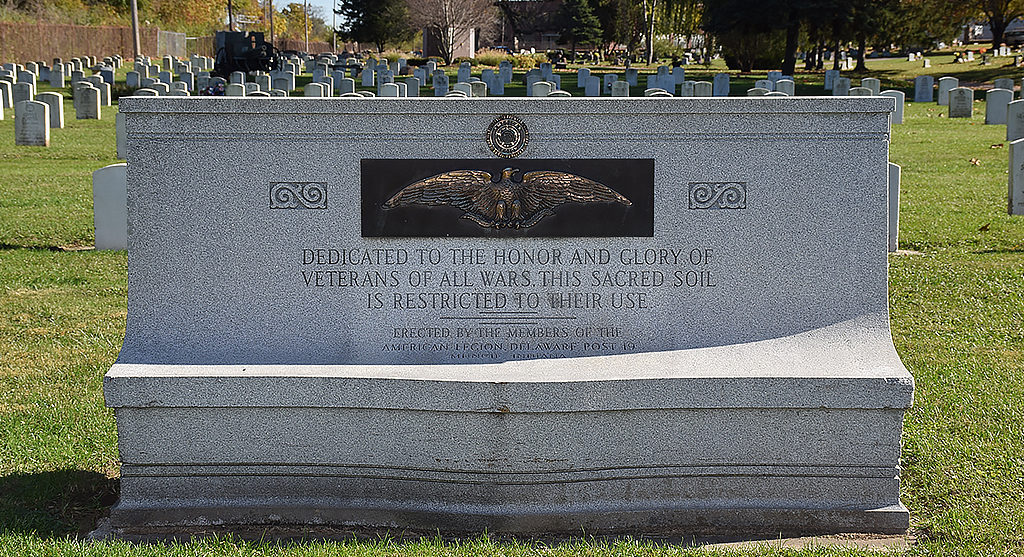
{"x":58,"y":503}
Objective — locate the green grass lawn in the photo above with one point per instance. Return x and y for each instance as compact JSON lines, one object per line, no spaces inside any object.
{"x":957,"y":305}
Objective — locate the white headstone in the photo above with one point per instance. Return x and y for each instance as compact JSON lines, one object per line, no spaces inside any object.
{"x":702,"y":89}
{"x":1003,"y":83}
{"x":57,"y":76}
{"x":386,"y":90}
{"x":830,"y":79}
{"x":897,"y":115}
{"x":1015,"y":197}
{"x":632,"y":77}
{"x":412,"y":86}
{"x":961,"y":102}
{"x":860,"y":92}
{"x":542,"y":88}
{"x":757,"y":92}
{"x":110,"y":207}
{"x":464,"y":73}
{"x":872,"y":83}
{"x":88,"y":107}
{"x":119,"y":134}
{"x":945,"y":85}
{"x":6,"y":95}
{"x":996,"y":101}
{"x":22,"y":92}
{"x":841,"y":87}
{"x":315,"y":90}
{"x":686,"y":88}
{"x":593,"y":86}
{"x":610,"y":78}
{"x":55,"y":103}
{"x":31,"y":124}
{"x":787,"y":86}
{"x":1015,"y":120}
{"x":764,"y":84}
{"x":234,"y":90}
{"x":923,"y":85}
{"x":720,"y":87}
{"x":894,"y":206}
{"x":440,"y":80}
{"x":620,"y":89}
{"x":479,"y":88}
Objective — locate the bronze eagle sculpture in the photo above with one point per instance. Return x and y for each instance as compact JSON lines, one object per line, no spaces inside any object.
{"x":505,"y":203}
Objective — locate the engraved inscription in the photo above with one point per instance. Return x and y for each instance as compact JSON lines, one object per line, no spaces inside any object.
{"x":718,"y":195}
{"x":298,"y":195}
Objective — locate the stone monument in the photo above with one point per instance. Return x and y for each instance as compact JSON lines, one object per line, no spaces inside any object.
{"x":506,"y":326}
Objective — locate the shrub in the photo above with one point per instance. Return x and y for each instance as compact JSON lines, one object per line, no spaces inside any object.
{"x":462,"y":59}
{"x":491,"y":57}
{"x":524,"y":61}
{"x":667,"y":49}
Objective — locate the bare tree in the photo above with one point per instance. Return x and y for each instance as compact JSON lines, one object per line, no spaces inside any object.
{"x":447,"y":20}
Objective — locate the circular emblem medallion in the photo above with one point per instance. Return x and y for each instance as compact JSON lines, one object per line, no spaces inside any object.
{"x":507,"y":136}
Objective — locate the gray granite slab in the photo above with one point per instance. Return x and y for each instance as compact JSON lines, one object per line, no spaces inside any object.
{"x":764,"y":394}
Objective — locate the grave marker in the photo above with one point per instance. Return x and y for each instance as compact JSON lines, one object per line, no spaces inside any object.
{"x":1015,"y":120}
{"x":894,"y":207}
{"x":720,"y":87}
{"x":841,"y":87}
{"x":55,"y":106}
{"x":996,"y":101}
{"x":923,"y":85}
{"x":961,"y":102}
{"x":110,"y":207}
{"x":1015,"y":196}
{"x":897,"y":115}
{"x":31,"y":124}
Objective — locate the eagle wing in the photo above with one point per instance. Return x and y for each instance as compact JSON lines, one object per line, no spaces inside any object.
{"x":465,"y":189}
{"x":543,"y":190}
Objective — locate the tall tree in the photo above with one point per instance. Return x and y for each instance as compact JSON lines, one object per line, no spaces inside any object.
{"x":374,"y":21}
{"x":579,"y":24}
{"x":447,"y":20}
{"x":1000,"y":13}
{"x":622,"y":22}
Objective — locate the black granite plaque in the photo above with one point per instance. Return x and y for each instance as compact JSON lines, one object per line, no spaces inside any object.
{"x":503,"y":198}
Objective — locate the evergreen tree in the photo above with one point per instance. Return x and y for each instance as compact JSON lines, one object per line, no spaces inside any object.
{"x":374,"y":21}
{"x":579,"y":24}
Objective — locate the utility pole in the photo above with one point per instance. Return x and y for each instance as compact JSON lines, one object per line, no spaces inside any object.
{"x":136,"y":44}
{"x":334,"y":30}
{"x":231,"y":17}
{"x":305,"y":22}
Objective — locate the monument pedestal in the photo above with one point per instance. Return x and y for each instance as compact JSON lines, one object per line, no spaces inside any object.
{"x":514,"y":315}
{"x":797,"y":434}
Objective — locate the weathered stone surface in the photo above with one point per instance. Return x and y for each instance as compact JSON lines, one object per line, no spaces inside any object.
{"x":961,"y":102}
{"x":945,"y":85}
{"x":31,"y":124}
{"x":55,"y":105}
{"x":1015,"y":198}
{"x":924,"y":89}
{"x":110,"y":207}
{"x":996,"y":101}
{"x":710,"y":397}
{"x":897,"y":115}
{"x":894,"y":206}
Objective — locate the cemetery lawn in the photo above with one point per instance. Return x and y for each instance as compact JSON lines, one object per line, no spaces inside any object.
{"x":957,"y":304}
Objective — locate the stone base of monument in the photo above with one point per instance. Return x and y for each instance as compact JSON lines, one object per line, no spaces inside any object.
{"x":799,"y":434}
{"x":520,"y":316}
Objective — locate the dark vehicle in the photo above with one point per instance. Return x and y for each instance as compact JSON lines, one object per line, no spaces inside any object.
{"x":1014,"y":38}
{"x":239,"y":51}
